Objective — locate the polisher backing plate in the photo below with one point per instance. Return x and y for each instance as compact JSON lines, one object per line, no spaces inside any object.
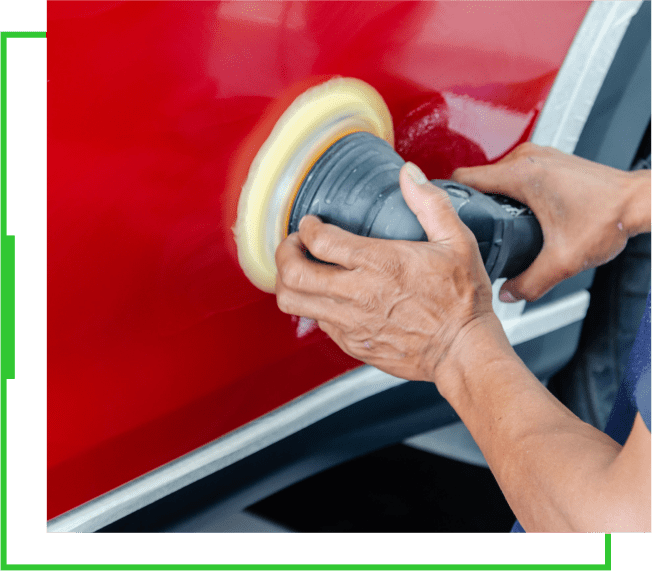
{"x":310,"y":125}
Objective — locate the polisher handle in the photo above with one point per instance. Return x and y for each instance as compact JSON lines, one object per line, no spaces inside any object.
{"x":509,"y":235}
{"x":355,"y":186}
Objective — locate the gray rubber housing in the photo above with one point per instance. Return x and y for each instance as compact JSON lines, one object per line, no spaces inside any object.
{"x":355,"y":185}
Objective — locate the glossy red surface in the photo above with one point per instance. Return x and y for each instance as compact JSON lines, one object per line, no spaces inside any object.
{"x":157,"y":343}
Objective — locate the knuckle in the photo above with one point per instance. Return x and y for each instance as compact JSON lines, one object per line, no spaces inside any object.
{"x":320,"y":246}
{"x":283,"y":301}
{"x":368,"y":302}
{"x":294,"y":277}
{"x":358,"y":256}
{"x":467,"y":245}
{"x":286,"y":250}
{"x":383,"y":258}
{"x":282,"y":268}
{"x":308,"y":232}
{"x":468,"y":237}
{"x":280,"y":253}
{"x":291,"y":274}
{"x":392,"y":265}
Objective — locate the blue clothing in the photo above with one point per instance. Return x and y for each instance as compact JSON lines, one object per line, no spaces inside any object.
{"x":634,"y":391}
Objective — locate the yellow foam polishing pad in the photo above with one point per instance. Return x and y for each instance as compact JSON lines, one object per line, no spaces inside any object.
{"x":309,"y":126}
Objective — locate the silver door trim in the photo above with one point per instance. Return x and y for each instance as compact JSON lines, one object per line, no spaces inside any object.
{"x":222,"y":452}
{"x":581,"y":75}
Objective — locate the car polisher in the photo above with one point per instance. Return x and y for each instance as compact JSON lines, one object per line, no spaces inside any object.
{"x":331,"y":154}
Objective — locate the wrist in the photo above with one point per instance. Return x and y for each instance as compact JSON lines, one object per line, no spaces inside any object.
{"x":479,"y":347}
{"x":636,"y":218}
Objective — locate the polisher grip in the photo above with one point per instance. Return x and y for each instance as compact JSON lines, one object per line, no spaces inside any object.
{"x":355,"y":186}
{"x":509,"y":235}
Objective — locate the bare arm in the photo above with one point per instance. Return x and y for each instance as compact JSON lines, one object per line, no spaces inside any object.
{"x":557,"y":472}
{"x":422,"y":311}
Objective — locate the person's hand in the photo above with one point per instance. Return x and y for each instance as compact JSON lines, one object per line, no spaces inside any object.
{"x":587,"y":211}
{"x":400,"y":306}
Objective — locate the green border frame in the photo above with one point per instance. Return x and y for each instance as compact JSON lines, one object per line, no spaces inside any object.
{"x":22,"y":489}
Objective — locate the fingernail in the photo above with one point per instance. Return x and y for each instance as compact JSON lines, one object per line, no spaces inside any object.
{"x":416,"y":174}
{"x":301,"y":222}
{"x":506,"y":296}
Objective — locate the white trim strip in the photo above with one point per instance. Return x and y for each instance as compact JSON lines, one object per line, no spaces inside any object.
{"x":547,"y":318}
{"x":581,"y":75}
{"x":258,"y":434}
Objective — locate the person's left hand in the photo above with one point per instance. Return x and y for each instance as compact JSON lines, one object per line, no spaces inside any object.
{"x":400,"y":306}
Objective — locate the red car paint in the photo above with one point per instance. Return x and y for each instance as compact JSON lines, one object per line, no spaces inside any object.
{"x":157,"y":343}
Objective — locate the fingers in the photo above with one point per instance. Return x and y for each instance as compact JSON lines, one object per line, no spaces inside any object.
{"x":543,"y":274}
{"x":301,"y":283}
{"x":431,"y":204}
{"x":329,"y":243}
{"x":505,"y":177}
{"x":298,"y":273}
{"x":319,"y":308}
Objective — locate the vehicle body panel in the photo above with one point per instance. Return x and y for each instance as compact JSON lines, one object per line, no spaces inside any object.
{"x":157,"y":343}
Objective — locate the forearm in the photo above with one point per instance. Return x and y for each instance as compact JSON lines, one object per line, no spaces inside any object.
{"x":553,"y":468}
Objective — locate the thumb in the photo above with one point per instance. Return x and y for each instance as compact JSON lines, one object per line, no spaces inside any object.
{"x":539,"y":278}
{"x":430,"y":203}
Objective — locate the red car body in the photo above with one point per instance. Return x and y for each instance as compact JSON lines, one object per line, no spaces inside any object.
{"x":157,"y":342}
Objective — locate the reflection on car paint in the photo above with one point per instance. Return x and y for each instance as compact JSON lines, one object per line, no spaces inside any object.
{"x":157,"y":343}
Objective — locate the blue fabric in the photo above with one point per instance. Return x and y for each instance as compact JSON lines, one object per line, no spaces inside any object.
{"x":633,"y":394}
{"x":639,"y":366}
{"x":517,"y":528}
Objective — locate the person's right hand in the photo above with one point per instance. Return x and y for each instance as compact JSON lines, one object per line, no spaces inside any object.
{"x":587,"y":211}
